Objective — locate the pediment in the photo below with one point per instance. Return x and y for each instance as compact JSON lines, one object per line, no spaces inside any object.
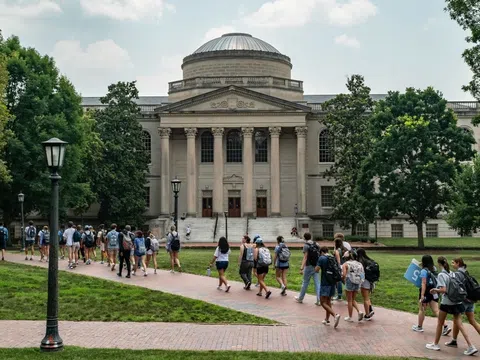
{"x":233,"y":179}
{"x":233,"y":99}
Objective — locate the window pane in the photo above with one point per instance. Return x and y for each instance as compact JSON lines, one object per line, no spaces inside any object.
{"x":431,"y":230}
{"x":327,"y":196}
{"x":325,"y":146}
{"x":261,"y":147}
{"x":147,"y":144}
{"x":397,"y":230}
{"x":362,"y":229}
{"x":234,"y":146}
{"x":206,"y":141}
{"x":328,"y":230}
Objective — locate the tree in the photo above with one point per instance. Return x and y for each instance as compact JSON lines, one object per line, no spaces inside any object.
{"x":347,"y":118}
{"x":43,"y":104}
{"x":4,"y":118}
{"x":464,"y":206}
{"x":416,"y":150}
{"x":121,"y":181}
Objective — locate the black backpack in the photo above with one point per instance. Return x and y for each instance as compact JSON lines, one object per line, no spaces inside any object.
{"x":313,"y":253}
{"x":372,"y":271}
{"x":175,"y":244}
{"x":89,"y":239}
{"x":472,"y":287}
{"x":333,"y":273}
{"x":2,"y":235}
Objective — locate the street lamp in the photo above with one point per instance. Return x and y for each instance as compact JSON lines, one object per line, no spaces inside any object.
{"x":55,"y":153}
{"x":21,"y":199}
{"x":176,"y":184}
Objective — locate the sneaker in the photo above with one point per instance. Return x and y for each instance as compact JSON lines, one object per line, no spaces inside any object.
{"x":172,"y":271}
{"x":267,"y":295}
{"x":433,"y":346}
{"x":371,"y":313}
{"x":348,"y":319}
{"x":228,"y":288}
{"x":26,"y":258}
{"x":298,"y":300}
{"x":155,"y":271}
{"x":219,"y":288}
{"x":128,"y":276}
{"x":470,"y":351}
{"x":451,"y":343}
{"x":119,"y":275}
{"x":318,"y":303}
{"x":257,"y":285}
{"x":337,"y":321}
{"x":338,"y":298}
{"x":101,"y":262}
{"x":326,"y":322}
{"x":361,"y":315}
{"x":417,"y":328}
{"x":283,"y":290}
{"x":367,"y":318}
{"x":31,"y":259}
{"x":145,"y":274}
{"x":446,"y":330}
{"x":247,"y":286}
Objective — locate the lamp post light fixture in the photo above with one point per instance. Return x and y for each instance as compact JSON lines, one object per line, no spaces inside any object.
{"x":176,"y":184}
{"x":21,"y":199}
{"x":55,"y":153}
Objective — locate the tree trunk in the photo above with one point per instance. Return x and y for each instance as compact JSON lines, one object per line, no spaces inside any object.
{"x":353,"y":224}
{"x":421,"y":244}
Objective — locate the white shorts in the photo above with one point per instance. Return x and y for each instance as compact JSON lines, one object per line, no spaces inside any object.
{"x":149,"y":252}
{"x":366,"y":285}
{"x":102,"y":246}
{"x":76,"y":245}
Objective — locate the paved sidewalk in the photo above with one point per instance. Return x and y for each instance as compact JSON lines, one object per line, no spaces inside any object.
{"x":388,"y":334}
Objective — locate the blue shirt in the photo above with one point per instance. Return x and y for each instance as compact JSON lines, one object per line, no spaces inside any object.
{"x":139,"y":242}
{"x":5,"y":231}
{"x":322,"y":263}
{"x":113,"y":234}
{"x":424,"y":274}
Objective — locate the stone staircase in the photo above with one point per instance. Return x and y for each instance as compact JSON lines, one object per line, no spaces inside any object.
{"x":201,"y":229}
{"x":237,"y":228}
{"x":270,"y":228}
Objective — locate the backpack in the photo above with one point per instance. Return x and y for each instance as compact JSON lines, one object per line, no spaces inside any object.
{"x":284,"y":253}
{"x":89,"y":239}
{"x":31,"y":233}
{"x":431,"y":280}
{"x":332,"y":271}
{"x":249,"y":254}
{"x":264,"y":257}
{"x":113,"y":239}
{"x":372,"y":272}
{"x":313,"y":253}
{"x":46,"y":236}
{"x":141,"y":250}
{"x":154,"y":245}
{"x":456,"y":291}
{"x":127,"y":242}
{"x":77,"y":236}
{"x":355,"y":273}
{"x":472,"y":287}
{"x":175,"y":243}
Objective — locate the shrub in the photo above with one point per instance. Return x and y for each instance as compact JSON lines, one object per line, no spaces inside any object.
{"x":359,"y":238}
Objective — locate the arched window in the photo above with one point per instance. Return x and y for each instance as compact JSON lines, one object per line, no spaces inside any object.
{"x":261,"y":147}
{"x":147,"y":144}
{"x":234,"y":146}
{"x":206,"y":143}
{"x":325,"y":146}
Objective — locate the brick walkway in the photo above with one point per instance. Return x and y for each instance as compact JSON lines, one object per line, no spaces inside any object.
{"x":388,"y":334}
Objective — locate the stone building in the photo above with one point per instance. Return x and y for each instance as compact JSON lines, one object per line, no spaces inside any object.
{"x":247,"y":143}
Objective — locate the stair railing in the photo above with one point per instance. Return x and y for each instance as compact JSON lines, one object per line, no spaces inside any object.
{"x":216,"y":225}
{"x":226,"y":225}
{"x":246,"y":229}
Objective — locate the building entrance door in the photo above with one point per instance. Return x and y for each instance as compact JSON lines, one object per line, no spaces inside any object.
{"x":207,"y":207}
{"x":261,"y":207}
{"x":234,"y":207}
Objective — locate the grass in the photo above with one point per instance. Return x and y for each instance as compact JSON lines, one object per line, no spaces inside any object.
{"x":461,"y":243}
{"x":393,"y":291}
{"x":74,"y":353}
{"x":23,"y":295}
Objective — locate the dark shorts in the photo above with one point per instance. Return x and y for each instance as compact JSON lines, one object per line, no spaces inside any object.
{"x":29,"y":243}
{"x":327,"y":290}
{"x":3,"y":245}
{"x":90,"y":246}
{"x":62,"y":243}
{"x":222,"y":265}
{"x":283,"y":267}
{"x":428,"y":296}
{"x":453,"y":309}
{"x":262,"y":270}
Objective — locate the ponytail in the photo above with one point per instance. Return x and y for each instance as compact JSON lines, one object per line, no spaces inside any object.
{"x":444,"y":262}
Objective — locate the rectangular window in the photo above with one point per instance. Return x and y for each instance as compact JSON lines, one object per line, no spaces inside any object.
{"x":328,"y":230}
{"x":397,"y":230}
{"x":431,"y":230}
{"x":147,"y":197}
{"x":327,"y":196}
{"x":362,"y":229}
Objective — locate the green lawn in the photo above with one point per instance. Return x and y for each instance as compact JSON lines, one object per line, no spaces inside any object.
{"x":393,"y":291}
{"x":23,"y":295}
{"x":461,"y":243}
{"x":72,"y":353}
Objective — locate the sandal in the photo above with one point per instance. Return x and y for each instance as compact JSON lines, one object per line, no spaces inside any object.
{"x":259,"y":294}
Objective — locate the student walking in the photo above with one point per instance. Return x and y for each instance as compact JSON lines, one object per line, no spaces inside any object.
{"x":44,"y":242}
{"x":368,"y":284}
{"x":245,"y":261}
{"x":173,"y":248}
{"x":3,"y":239}
{"x":153,"y":245}
{"x":88,"y":240}
{"x":68,"y":237}
{"x":281,"y":261}
{"x":125,"y":245}
{"x":339,"y":251}
{"x":459,"y":265}
{"x":353,"y":275}
{"x":448,"y":285}
{"x":263,"y":259}
{"x":112,"y":245}
{"x":101,"y":242}
{"x":220,"y":257}
{"x":62,"y":242}
{"x":30,"y":235}
{"x":311,"y":253}
{"x":140,"y":252}
{"x":327,"y":287}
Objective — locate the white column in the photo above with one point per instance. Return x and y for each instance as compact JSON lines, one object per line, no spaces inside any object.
{"x":165,"y":170}
{"x":218,"y":170}
{"x":191,"y":134}
{"x":248,"y":171}
{"x":301,"y":176}
{"x":275,"y":170}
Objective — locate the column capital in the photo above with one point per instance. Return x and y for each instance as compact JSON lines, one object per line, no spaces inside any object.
{"x":275,"y":131}
{"x":247,"y":131}
{"x":164,"y":132}
{"x":301,"y":131}
{"x":191,"y":132}
{"x":217,"y":131}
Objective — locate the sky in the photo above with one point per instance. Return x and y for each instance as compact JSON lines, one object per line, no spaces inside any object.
{"x":394,"y":44}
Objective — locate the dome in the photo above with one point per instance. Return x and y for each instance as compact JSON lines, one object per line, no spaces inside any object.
{"x":236,"y":41}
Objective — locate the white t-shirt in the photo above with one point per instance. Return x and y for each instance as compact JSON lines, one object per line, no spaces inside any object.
{"x":68,"y":235}
{"x":347,"y":246}
{"x":220,"y":256}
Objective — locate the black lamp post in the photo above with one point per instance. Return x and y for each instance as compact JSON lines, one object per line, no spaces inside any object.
{"x":55,"y":152}
{"x":21,"y":199}
{"x":176,"y":184}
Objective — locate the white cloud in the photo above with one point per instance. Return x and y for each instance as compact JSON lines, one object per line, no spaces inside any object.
{"x":127,"y":9}
{"x":289,"y":13}
{"x":169,"y":69}
{"x":28,"y":9}
{"x":214,"y":33}
{"x":348,"y":41}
